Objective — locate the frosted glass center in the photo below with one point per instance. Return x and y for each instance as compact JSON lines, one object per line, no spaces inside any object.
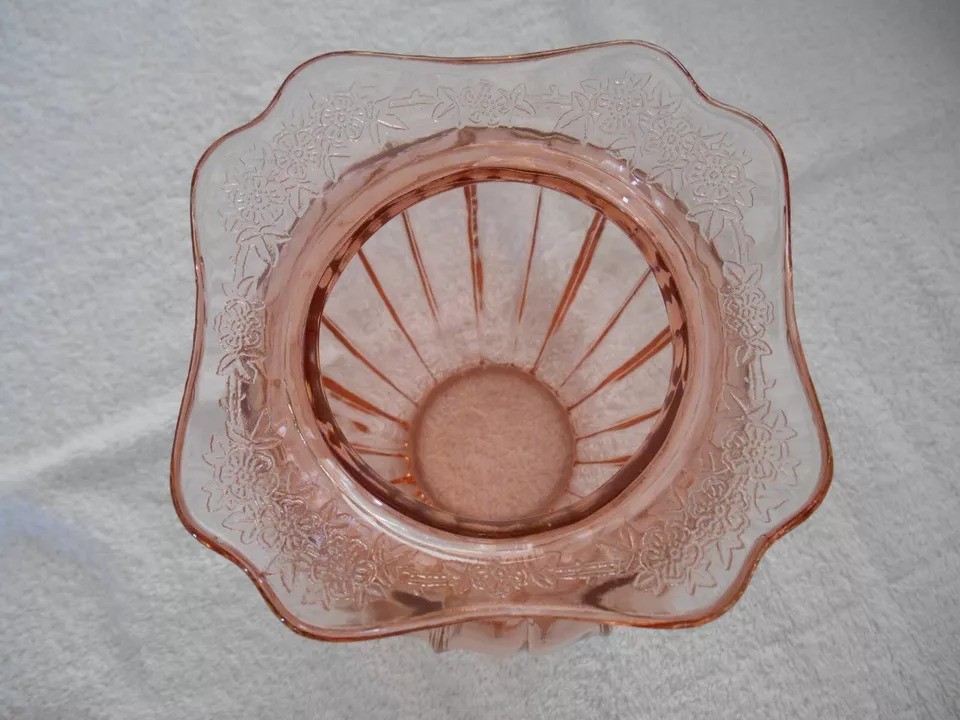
{"x":493,"y":443}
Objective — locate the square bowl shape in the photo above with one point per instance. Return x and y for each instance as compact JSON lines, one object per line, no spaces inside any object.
{"x":391,"y":224}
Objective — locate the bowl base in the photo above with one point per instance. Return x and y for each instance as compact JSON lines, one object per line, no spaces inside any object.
{"x":493,"y":443}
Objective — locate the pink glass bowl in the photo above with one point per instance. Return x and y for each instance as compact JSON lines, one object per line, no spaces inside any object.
{"x":501,"y":350}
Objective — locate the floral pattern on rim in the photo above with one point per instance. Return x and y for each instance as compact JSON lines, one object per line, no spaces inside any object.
{"x":348,"y":569}
{"x":708,"y":517}
{"x":638,"y":121}
{"x":613,"y":107}
{"x":345,"y":116}
{"x":659,"y":556}
{"x":240,"y":328}
{"x":756,"y":450}
{"x":718,"y":185}
{"x":718,"y":515}
{"x":635,"y":118}
{"x":259,"y":214}
{"x":244,"y":474}
{"x":746,"y":311}
{"x":293,"y":530}
{"x":482,"y":104}
{"x":500,"y":580}
{"x":667,"y":554}
{"x":303,"y":161}
{"x":670,"y":138}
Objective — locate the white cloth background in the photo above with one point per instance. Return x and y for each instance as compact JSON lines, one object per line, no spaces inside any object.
{"x":108,"y":609}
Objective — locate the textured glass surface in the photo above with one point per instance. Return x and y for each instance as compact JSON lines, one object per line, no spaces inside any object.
{"x":577,"y":247}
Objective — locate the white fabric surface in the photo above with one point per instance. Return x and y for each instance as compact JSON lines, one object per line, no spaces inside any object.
{"x":108,"y":609}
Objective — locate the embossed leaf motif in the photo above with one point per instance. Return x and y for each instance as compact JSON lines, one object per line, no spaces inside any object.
{"x":447,"y":102}
{"x":384,"y":119}
{"x":661,"y":104}
{"x":623,"y":548}
{"x":543,"y":572}
{"x":577,"y":119}
{"x":258,"y":434}
{"x":626,"y":148}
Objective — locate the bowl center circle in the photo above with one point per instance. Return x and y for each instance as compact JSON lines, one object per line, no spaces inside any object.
{"x":492,"y":442}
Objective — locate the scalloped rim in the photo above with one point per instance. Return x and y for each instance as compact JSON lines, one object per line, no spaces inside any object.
{"x":736,"y":589}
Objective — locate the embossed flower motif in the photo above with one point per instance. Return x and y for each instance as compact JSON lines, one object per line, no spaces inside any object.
{"x":240,"y":327}
{"x":295,"y":531}
{"x":258,"y":200}
{"x":288,"y":524}
{"x":344,"y":569}
{"x":668,"y":554}
{"x":755,"y":447}
{"x":245,"y":477}
{"x":717,"y":177}
{"x":746,"y":311}
{"x":617,"y":106}
{"x":670,"y":138}
{"x":481,"y":104}
{"x":344,"y":116}
{"x":297,"y":152}
{"x":703,"y":500}
{"x":498,"y":579}
{"x":303,"y":162}
{"x":259,"y":212}
{"x":244,"y":470}
{"x":484,"y":104}
{"x":751,"y":449}
{"x":715,"y":510}
{"x":614,"y":106}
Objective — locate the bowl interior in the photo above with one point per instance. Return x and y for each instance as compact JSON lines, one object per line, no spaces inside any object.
{"x":498,"y":350}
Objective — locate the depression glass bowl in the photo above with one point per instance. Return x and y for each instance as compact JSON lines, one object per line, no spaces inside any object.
{"x":498,"y":350}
